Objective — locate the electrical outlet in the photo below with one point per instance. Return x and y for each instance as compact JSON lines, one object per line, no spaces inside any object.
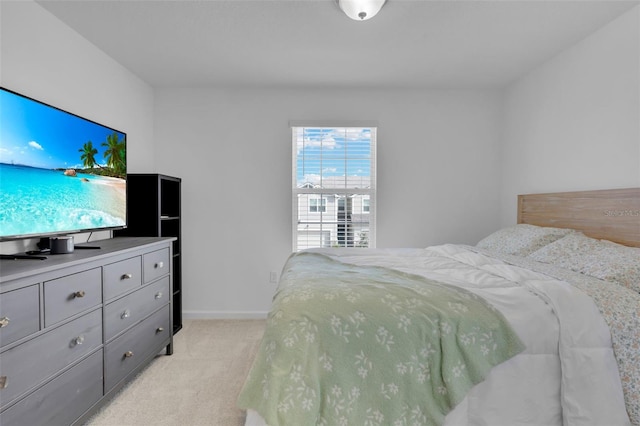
{"x":273,"y":277}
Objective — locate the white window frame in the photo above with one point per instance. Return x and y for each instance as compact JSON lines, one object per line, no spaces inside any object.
{"x":371,"y":191}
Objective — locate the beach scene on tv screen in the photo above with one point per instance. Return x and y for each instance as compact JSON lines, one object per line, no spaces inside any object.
{"x":58,"y":172}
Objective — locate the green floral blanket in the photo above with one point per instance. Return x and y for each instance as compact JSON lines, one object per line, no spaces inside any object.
{"x":348,"y":344}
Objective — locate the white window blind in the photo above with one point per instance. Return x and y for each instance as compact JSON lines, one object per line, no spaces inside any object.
{"x":334,"y":186}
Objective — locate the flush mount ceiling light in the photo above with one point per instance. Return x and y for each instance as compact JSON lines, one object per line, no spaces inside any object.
{"x":361,"y":10}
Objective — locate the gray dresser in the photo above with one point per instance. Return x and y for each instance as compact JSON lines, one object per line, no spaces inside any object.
{"x":74,"y":328}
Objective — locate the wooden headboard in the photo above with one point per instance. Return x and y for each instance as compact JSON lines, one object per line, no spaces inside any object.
{"x":610,"y":214}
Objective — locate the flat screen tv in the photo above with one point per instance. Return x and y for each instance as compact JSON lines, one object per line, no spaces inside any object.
{"x":59,"y":173}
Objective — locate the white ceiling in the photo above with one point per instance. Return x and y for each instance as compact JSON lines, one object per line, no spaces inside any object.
{"x":311,"y":43}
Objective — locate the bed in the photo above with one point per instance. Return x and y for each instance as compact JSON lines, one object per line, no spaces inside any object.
{"x":537,"y":324}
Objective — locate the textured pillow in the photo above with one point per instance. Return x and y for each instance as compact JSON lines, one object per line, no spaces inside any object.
{"x":522,"y":239}
{"x":597,"y":258}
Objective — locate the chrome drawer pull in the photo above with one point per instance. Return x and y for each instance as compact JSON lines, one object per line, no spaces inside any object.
{"x":79,"y":340}
{"x":159,"y":265}
{"x":159,"y":295}
{"x":128,"y":354}
{"x":80,"y":293}
{"x":126,"y":277}
{"x":4,"y":321}
{"x":159,"y":329}
{"x":125,"y":314}
{"x":3,"y":382}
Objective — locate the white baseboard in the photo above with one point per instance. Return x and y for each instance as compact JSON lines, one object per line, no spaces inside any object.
{"x":224,"y":315}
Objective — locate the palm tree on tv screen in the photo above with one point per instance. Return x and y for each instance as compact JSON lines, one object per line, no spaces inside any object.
{"x":115,"y":154}
{"x":88,"y":156}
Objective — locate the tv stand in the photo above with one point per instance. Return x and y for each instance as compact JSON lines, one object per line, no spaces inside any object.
{"x":77,"y":327}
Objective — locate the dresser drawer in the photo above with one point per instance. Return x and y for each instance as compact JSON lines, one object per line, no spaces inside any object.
{"x":19,"y":314}
{"x":67,"y":296}
{"x":156,"y":264}
{"x":62,"y":400}
{"x":134,"y":307}
{"x":122,"y":276}
{"x":129,"y":350}
{"x":34,"y":361}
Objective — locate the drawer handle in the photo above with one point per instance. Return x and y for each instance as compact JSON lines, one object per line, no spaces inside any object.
{"x":128,"y":354}
{"x":125,"y":314}
{"x":159,"y":329}
{"x":4,"y":321}
{"x":4,"y":383}
{"x":159,"y":265}
{"x":79,"y":340}
{"x":80,"y":293}
{"x":159,"y":295}
{"x":126,"y":277}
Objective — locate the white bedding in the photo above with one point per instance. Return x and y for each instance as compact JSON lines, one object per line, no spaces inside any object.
{"x":567,"y":375}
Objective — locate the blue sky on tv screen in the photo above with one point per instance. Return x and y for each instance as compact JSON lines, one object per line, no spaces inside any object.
{"x":38,"y":135}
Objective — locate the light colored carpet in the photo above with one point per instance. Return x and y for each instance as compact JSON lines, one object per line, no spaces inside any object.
{"x":197,"y":385}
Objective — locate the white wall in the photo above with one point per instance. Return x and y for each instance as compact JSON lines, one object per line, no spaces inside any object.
{"x":571,"y":124}
{"x":574,"y":122}
{"x":438,"y":177}
{"x":43,"y":58}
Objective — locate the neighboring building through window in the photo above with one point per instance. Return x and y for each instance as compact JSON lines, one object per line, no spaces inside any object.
{"x":318,"y":205}
{"x":334,"y":186}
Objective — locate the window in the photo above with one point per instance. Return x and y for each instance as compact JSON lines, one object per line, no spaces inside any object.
{"x":317,"y":205}
{"x":334,"y":186}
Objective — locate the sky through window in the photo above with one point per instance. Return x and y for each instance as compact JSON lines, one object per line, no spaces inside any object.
{"x":327,"y":157}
